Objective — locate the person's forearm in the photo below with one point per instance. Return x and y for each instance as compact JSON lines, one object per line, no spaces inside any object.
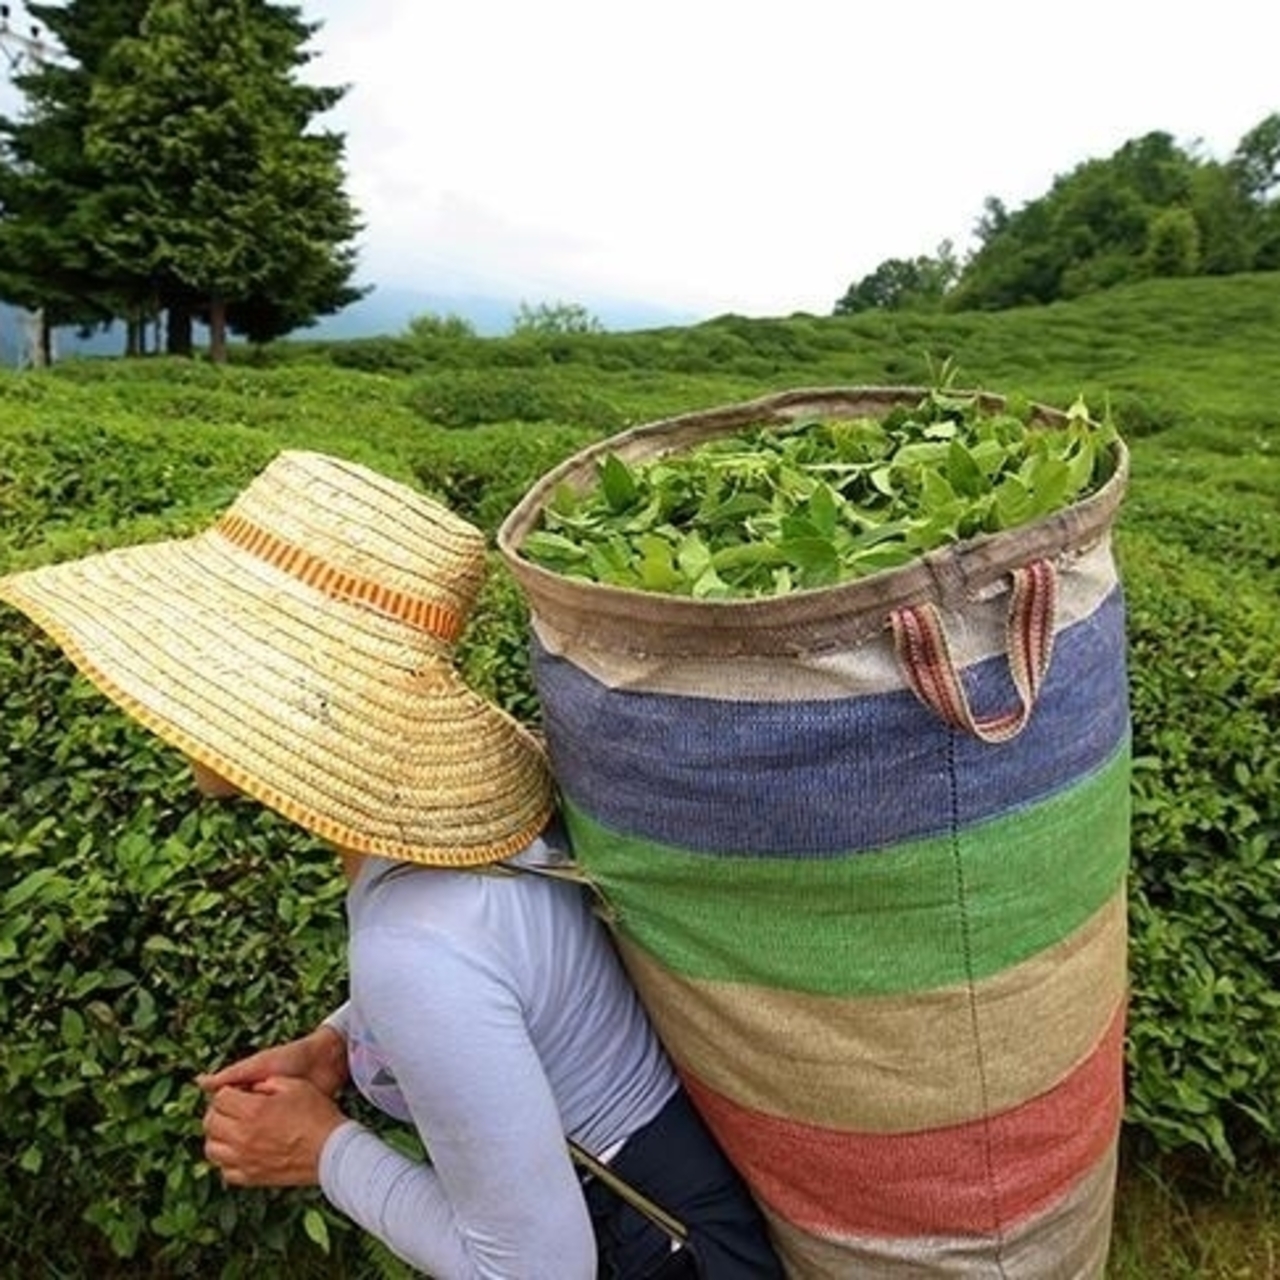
{"x":402,"y":1202}
{"x":394,"y":1198}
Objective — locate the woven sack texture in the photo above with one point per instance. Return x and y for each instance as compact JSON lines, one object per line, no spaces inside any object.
{"x":865,"y":852}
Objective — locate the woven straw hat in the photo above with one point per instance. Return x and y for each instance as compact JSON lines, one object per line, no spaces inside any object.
{"x":302,"y":648}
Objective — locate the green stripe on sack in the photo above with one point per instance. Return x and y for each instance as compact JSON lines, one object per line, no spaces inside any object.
{"x":886,"y":1064}
{"x":919,"y":915}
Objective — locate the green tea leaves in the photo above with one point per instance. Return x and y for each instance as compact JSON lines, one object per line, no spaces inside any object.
{"x":617,"y":483}
{"x":774,"y":509}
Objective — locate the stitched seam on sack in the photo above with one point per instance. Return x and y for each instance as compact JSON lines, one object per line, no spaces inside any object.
{"x":966,"y":943}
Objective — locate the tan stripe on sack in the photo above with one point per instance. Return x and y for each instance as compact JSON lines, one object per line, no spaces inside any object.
{"x":1069,"y":1241}
{"x":901,"y":1063}
{"x":853,"y":669}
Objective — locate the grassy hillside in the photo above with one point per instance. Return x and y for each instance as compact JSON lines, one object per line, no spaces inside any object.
{"x":97,"y":452}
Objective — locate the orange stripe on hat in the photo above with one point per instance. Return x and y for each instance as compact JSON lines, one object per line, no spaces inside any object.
{"x":431,"y":616}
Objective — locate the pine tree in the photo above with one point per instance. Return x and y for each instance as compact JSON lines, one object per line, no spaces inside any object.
{"x":48,"y":255}
{"x":212,"y":186}
{"x":167,"y":162}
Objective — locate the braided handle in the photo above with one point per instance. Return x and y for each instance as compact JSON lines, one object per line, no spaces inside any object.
{"x":926,"y":662}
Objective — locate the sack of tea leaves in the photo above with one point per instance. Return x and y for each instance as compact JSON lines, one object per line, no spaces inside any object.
{"x":833,"y":684}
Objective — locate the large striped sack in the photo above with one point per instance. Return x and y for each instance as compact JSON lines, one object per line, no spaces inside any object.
{"x":865,"y":853}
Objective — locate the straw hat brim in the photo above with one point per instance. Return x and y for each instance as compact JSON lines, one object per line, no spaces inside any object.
{"x":352,"y":724}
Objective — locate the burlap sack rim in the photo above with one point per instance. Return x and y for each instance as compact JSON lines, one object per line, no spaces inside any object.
{"x":597,"y":615}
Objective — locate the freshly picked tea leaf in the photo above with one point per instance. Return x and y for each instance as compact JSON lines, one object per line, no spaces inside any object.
{"x":774,"y":509}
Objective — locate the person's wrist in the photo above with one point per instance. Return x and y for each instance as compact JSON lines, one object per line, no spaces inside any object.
{"x":329,"y":1049}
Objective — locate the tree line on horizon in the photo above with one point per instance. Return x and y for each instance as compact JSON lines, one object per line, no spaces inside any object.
{"x":167,"y":167}
{"x":166,"y":164}
{"x":1152,"y":209}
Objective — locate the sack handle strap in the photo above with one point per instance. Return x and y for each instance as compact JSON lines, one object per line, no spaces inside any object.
{"x":636,"y":1199}
{"x":926,"y":662}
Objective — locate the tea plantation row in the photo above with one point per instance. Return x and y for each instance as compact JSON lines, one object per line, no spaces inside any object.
{"x":144,"y":936}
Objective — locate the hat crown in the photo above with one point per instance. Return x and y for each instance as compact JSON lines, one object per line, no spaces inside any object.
{"x":298,"y":649}
{"x":361,"y":536}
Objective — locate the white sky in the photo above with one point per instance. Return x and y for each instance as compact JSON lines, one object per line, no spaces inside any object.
{"x":746,"y":155}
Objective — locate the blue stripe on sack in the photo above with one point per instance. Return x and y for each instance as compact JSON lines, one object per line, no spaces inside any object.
{"x":826,"y":777}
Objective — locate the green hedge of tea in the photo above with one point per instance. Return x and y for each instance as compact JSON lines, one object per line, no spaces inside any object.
{"x":144,"y":936}
{"x":1205,"y":888}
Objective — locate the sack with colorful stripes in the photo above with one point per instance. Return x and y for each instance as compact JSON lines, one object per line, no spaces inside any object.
{"x":865,"y":850}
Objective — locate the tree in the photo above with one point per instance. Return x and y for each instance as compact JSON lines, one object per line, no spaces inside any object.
{"x":1256,"y":161}
{"x":1255,"y":168}
{"x":902,"y":283}
{"x":1227,"y":220}
{"x":48,"y":246}
{"x":212,"y":192}
{"x":1151,"y":207}
{"x":995,"y":218}
{"x":431,"y":327}
{"x":74,"y":218}
{"x":1017,"y":263}
{"x":554,"y":318}
{"x":1173,"y":243}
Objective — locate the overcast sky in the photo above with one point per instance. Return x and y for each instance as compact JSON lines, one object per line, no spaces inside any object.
{"x":746,"y":155}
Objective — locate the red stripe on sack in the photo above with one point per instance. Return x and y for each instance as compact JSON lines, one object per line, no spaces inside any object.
{"x":964,"y":1180}
{"x":1022,"y":639}
{"x":431,"y":616}
{"x":1017,"y":639}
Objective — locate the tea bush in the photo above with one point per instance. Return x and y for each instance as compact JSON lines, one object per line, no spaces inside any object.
{"x":144,"y":935}
{"x":1205,"y":883}
{"x":143,"y":938}
{"x":482,"y":473}
{"x":468,"y":397}
{"x":380,"y":355}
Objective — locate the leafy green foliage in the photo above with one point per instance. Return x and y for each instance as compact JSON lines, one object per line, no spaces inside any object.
{"x":430,"y":327}
{"x":554,"y":318}
{"x":174,"y":933}
{"x":376,"y":355}
{"x":1205,"y":889}
{"x":482,"y":473}
{"x":144,"y":937}
{"x":467,"y":397}
{"x":896,"y":283}
{"x":493,"y":654}
{"x":48,"y":255}
{"x":1150,"y":209}
{"x":168,"y":163}
{"x":769,"y":510}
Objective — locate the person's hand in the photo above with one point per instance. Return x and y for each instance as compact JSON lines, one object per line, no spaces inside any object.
{"x":320,"y":1058}
{"x":270,"y":1135}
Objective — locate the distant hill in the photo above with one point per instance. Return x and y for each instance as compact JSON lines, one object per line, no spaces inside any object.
{"x":387,"y":310}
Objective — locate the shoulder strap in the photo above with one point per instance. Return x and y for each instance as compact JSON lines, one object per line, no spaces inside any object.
{"x":636,"y":1199}
{"x":550,"y":870}
{"x":567,"y":871}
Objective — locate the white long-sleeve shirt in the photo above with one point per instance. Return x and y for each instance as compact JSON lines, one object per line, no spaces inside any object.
{"x":494,"y":1012}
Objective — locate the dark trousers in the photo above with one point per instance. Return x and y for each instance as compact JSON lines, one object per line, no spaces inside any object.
{"x":676,"y":1163}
